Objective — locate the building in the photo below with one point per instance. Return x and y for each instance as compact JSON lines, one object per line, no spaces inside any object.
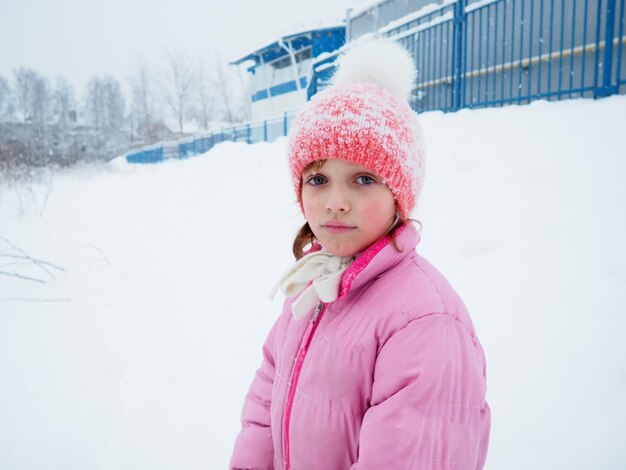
{"x":281,"y":70}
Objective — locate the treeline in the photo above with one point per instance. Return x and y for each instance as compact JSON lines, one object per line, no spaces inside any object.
{"x":44,"y":123}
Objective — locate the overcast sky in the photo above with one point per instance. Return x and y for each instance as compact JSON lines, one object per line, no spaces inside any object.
{"x":80,"y":38}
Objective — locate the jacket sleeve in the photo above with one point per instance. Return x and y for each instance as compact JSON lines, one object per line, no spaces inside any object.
{"x":254,"y":447}
{"x":428,"y":408}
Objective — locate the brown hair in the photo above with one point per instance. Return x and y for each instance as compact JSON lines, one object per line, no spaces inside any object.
{"x":304,"y":238}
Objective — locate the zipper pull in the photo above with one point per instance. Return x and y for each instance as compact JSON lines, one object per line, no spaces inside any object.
{"x":318,"y":309}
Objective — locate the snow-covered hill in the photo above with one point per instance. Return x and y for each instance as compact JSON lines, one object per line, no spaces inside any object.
{"x":139,"y":353}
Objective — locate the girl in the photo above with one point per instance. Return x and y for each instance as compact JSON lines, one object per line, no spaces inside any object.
{"x":374,"y":363}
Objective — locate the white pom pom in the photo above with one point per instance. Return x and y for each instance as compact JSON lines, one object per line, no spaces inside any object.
{"x":378,"y":60}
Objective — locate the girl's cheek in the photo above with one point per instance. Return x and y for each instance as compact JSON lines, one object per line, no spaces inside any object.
{"x":310,"y":208}
{"x":379,"y":212}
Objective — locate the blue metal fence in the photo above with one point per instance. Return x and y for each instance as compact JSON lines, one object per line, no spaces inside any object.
{"x":496,"y":52}
{"x":152,"y":154}
{"x":264,"y":131}
{"x":485,"y":53}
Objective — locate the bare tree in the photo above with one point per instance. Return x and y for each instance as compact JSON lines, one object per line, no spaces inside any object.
{"x":45,"y":135}
{"x":63,"y":103}
{"x":24,"y":83}
{"x":223,"y":87}
{"x":41,"y":102}
{"x":178,"y":86}
{"x":104,"y":104}
{"x":143,"y":112}
{"x":230,"y":91}
{"x":6,"y":105}
{"x":205,"y":95}
{"x":94,"y":102}
{"x":32,"y":95}
{"x":114,"y":100}
{"x":142,"y":95}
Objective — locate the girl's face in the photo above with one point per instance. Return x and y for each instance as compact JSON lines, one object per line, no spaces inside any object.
{"x":348,"y":207}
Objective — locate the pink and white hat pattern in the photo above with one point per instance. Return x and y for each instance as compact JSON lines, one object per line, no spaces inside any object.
{"x":364,"y":118}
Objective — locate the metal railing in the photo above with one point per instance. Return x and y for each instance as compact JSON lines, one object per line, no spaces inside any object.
{"x":264,"y":131}
{"x":497,"y":52}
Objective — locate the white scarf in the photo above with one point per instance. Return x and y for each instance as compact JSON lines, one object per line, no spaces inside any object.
{"x":321,"y":267}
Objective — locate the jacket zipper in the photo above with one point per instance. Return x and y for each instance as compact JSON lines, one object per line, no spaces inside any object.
{"x":295,"y":375}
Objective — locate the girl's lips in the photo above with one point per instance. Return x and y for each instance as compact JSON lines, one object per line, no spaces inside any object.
{"x":337,"y":228}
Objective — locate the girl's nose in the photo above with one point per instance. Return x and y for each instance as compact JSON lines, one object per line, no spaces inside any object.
{"x":337,"y":203}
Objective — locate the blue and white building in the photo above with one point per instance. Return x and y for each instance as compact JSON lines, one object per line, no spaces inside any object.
{"x":282,"y":69}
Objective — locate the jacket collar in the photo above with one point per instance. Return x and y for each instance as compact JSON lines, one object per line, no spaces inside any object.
{"x":378,"y":258}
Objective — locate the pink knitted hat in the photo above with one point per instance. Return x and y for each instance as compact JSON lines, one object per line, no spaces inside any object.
{"x":364,"y":118}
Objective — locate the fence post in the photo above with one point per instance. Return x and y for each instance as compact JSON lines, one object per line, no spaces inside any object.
{"x":285,"y":123}
{"x":248,"y":131}
{"x":607,"y":87}
{"x":458,"y":101}
{"x":265,"y":130}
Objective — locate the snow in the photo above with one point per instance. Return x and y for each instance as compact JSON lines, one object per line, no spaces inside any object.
{"x":425,"y":10}
{"x":299,"y":29}
{"x":478,"y":4}
{"x":139,"y":353}
{"x":364,"y":6}
{"x":448,"y":16}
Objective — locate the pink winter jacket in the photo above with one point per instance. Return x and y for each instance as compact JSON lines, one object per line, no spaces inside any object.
{"x":389,"y":376}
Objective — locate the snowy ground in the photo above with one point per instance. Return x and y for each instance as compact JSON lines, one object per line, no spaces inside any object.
{"x":139,"y":353}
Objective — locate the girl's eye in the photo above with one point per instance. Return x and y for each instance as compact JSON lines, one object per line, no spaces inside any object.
{"x":365,"y":179}
{"x":316,"y":180}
